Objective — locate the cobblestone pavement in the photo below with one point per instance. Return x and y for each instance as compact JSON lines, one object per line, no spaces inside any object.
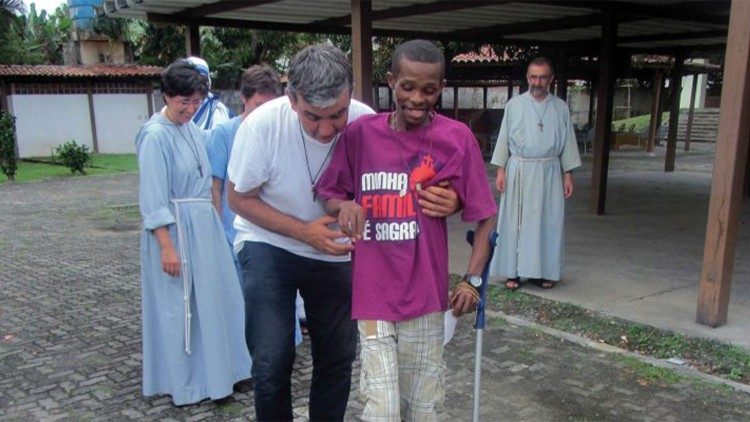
{"x":70,"y":335}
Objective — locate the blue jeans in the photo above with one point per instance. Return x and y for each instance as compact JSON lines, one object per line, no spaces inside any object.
{"x":271,"y":278}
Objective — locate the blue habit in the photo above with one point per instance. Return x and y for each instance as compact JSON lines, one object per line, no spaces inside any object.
{"x":193,"y":324}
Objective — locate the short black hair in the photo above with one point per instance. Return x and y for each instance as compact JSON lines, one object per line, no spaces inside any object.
{"x":541,"y":61}
{"x":421,"y":51}
{"x":183,"y":78}
{"x":260,"y":79}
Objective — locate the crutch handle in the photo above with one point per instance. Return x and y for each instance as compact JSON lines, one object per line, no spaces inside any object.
{"x":479,"y":322}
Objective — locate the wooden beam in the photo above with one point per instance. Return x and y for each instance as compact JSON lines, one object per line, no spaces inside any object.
{"x":690,"y":11}
{"x":362,"y":50}
{"x":675,"y":82}
{"x":4,"y":98}
{"x":590,"y":119}
{"x":655,"y":120}
{"x":673,"y":36}
{"x":729,"y":164}
{"x":561,"y":75}
{"x":92,"y":116}
{"x":605,"y":95}
{"x":149,"y":100}
{"x":669,"y":50}
{"x":510,"y":89}
{"x":193,"y":40}
{"x":221,"y":7}
{"x":627,"y":12}
{"x":691,"y":110}
{"x":455,"y":103}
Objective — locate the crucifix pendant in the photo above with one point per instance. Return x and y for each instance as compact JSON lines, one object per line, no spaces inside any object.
{"x":541,"y":126}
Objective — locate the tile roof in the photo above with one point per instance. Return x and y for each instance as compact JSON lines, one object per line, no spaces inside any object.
{"x":486,"y":54}
{"x":80,"y":71}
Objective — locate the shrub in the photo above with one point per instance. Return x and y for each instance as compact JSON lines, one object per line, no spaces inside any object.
{"x":73,"y":156}
{"x":8,"y":158}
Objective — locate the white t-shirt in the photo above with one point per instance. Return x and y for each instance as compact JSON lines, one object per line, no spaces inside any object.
{"x":268,"y":153}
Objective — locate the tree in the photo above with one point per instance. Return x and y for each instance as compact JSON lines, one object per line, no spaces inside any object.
{"x":9,"y":9}
{"x":13,"y":47}
{"x":47,"y":33}
{"x":158,"y":45}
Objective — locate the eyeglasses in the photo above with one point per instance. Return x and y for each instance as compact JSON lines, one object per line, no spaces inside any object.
{"x":194,"y":102}
{"x":540,"y":78}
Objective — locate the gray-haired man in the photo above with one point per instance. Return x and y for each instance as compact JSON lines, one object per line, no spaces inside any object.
{"x":284,"y":240}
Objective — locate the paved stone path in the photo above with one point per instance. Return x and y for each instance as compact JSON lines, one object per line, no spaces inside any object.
{"x":70,"y":335}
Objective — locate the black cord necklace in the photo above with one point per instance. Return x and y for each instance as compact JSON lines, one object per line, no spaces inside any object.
{"x":193,"y":147}
{"x":544,"y":113}
{"x":314,"y":179}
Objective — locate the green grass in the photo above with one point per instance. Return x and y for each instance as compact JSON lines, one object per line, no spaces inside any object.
{"x":100,"y":164}
{"x":721,"y":359}
{"x":636,"y":124}
{"x":650,"y":373}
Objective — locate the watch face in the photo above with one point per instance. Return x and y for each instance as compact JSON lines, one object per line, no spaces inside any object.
{"x":475,"y":280}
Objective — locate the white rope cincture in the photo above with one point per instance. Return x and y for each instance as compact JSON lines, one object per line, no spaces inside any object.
{"x":187,"y":289}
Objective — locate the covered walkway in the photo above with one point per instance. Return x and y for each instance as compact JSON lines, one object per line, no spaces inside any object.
{"x":642,"y":260}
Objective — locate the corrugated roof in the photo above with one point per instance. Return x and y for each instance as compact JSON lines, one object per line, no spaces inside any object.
{"x":642,"y":23}
{"x":80,"y":71}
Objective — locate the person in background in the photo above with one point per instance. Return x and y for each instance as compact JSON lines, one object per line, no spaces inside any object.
{"x":536,"y":152}
{"x":212,"y":111}
{"x":192,"y":307}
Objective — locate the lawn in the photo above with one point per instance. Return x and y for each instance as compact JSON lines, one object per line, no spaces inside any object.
{"x":636,"y":124}
{"x":42,"y":168}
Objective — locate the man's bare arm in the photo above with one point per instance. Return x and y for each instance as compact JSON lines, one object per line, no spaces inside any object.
{"x":462,"y":301}
{"x":216,"y":185}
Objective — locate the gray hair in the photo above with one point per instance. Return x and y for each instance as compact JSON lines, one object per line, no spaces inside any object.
{"x":319,"y":73}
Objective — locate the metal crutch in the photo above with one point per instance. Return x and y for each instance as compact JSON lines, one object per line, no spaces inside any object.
{"x":479,"y":323}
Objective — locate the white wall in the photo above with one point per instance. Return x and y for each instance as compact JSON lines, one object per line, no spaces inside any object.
{"x":687,"y":86}
{"x":45,"y":121}
{"x":118,"y":118}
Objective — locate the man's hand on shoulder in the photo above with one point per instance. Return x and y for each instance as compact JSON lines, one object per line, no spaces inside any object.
{"x":439,"y":200}
{"x":319,"y":236}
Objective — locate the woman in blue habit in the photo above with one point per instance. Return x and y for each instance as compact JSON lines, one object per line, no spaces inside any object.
{"x":193,"y":311}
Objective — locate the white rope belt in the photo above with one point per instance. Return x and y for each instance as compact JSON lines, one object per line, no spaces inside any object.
{"x":187,"y":288}
{"x":535,"y":160}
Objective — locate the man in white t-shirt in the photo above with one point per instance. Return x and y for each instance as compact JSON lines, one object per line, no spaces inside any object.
{"x":286,"y":241}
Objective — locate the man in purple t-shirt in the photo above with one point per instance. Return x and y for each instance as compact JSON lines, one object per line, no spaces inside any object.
{"x":400,"y":258}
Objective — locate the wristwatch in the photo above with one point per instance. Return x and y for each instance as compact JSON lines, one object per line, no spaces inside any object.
{"x":474,"y":280}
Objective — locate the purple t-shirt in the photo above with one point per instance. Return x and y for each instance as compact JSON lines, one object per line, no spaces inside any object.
{"x":400,"y":267}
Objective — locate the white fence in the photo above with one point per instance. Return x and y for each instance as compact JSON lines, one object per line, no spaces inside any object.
{"x":44,"y":121}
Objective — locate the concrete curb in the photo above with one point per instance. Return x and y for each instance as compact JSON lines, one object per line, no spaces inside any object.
{"x":684,"y":370}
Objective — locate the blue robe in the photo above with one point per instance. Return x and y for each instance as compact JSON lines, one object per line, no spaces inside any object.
{"x":531,"y":217}
{"x":197,"y":351}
